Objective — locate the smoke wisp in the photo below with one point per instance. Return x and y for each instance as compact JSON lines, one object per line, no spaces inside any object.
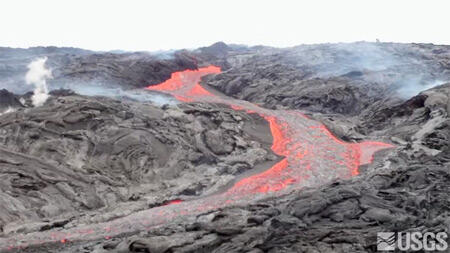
{"x":37,"y":75}
{"x":412,"y":87}
{"x":116,"y":92}
{"x":9,"y":110}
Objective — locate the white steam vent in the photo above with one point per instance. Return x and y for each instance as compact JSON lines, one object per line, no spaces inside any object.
{"x":37,"y":75}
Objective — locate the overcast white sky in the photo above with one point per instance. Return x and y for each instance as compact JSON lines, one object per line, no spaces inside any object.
{"x":170,"y":24}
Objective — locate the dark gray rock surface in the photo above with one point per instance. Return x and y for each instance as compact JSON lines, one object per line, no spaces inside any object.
{"x":331,"y":78}
{"x":8,"y":100}
{"x":97,"y":146}
{"x":75,"y":67}
{"x":405,"y":190}
{"x":94,"y":159}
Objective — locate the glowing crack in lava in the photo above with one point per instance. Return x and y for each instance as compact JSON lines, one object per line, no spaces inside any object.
{"x":312,"y":157}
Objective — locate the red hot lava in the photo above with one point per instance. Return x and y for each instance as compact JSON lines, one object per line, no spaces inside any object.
{"x":312,"y":154}
{"x":177,"y":82}
{"x":312,"y":157}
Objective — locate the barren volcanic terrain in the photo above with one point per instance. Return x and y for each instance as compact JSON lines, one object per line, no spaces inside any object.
{"x":225,"y":148}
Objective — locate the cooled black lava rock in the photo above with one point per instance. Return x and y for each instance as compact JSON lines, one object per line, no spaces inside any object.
{"x":90,"y":155}
{"x":75,"y":67}
{"x":354,"y":89}
{"x":8,"y":99}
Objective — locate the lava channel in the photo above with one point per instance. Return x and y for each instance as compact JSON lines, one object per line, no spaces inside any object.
{"x":312,"y":157}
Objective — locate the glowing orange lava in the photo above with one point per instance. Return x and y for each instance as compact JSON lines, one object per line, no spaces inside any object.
{"x":311,"y":152}
{"x":173,"y":202}
{"x":178,"y":79}
{"x":312,"y":157}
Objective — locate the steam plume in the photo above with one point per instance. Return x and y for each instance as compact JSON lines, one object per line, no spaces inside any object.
{"x":37,"y":75}
{"x":412,"y":87}
{"x":9,"y":110}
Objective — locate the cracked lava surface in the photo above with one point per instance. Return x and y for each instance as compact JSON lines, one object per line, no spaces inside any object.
{"x":312,"y":157}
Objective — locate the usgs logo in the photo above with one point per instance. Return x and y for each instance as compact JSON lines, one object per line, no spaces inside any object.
{"x":414,"y":241}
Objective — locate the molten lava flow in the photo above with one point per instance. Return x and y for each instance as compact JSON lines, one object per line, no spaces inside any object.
{"x":279,"y":140}
{"x":312,"y":154}
{"x":312,"y":157}
{"x":178,"y":79}
{"x":173,"y":202}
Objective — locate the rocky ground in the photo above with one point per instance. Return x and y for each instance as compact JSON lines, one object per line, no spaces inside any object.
{"x":81,"y":154}
{"x":73,"y":67}
{"x":80,"y":159}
